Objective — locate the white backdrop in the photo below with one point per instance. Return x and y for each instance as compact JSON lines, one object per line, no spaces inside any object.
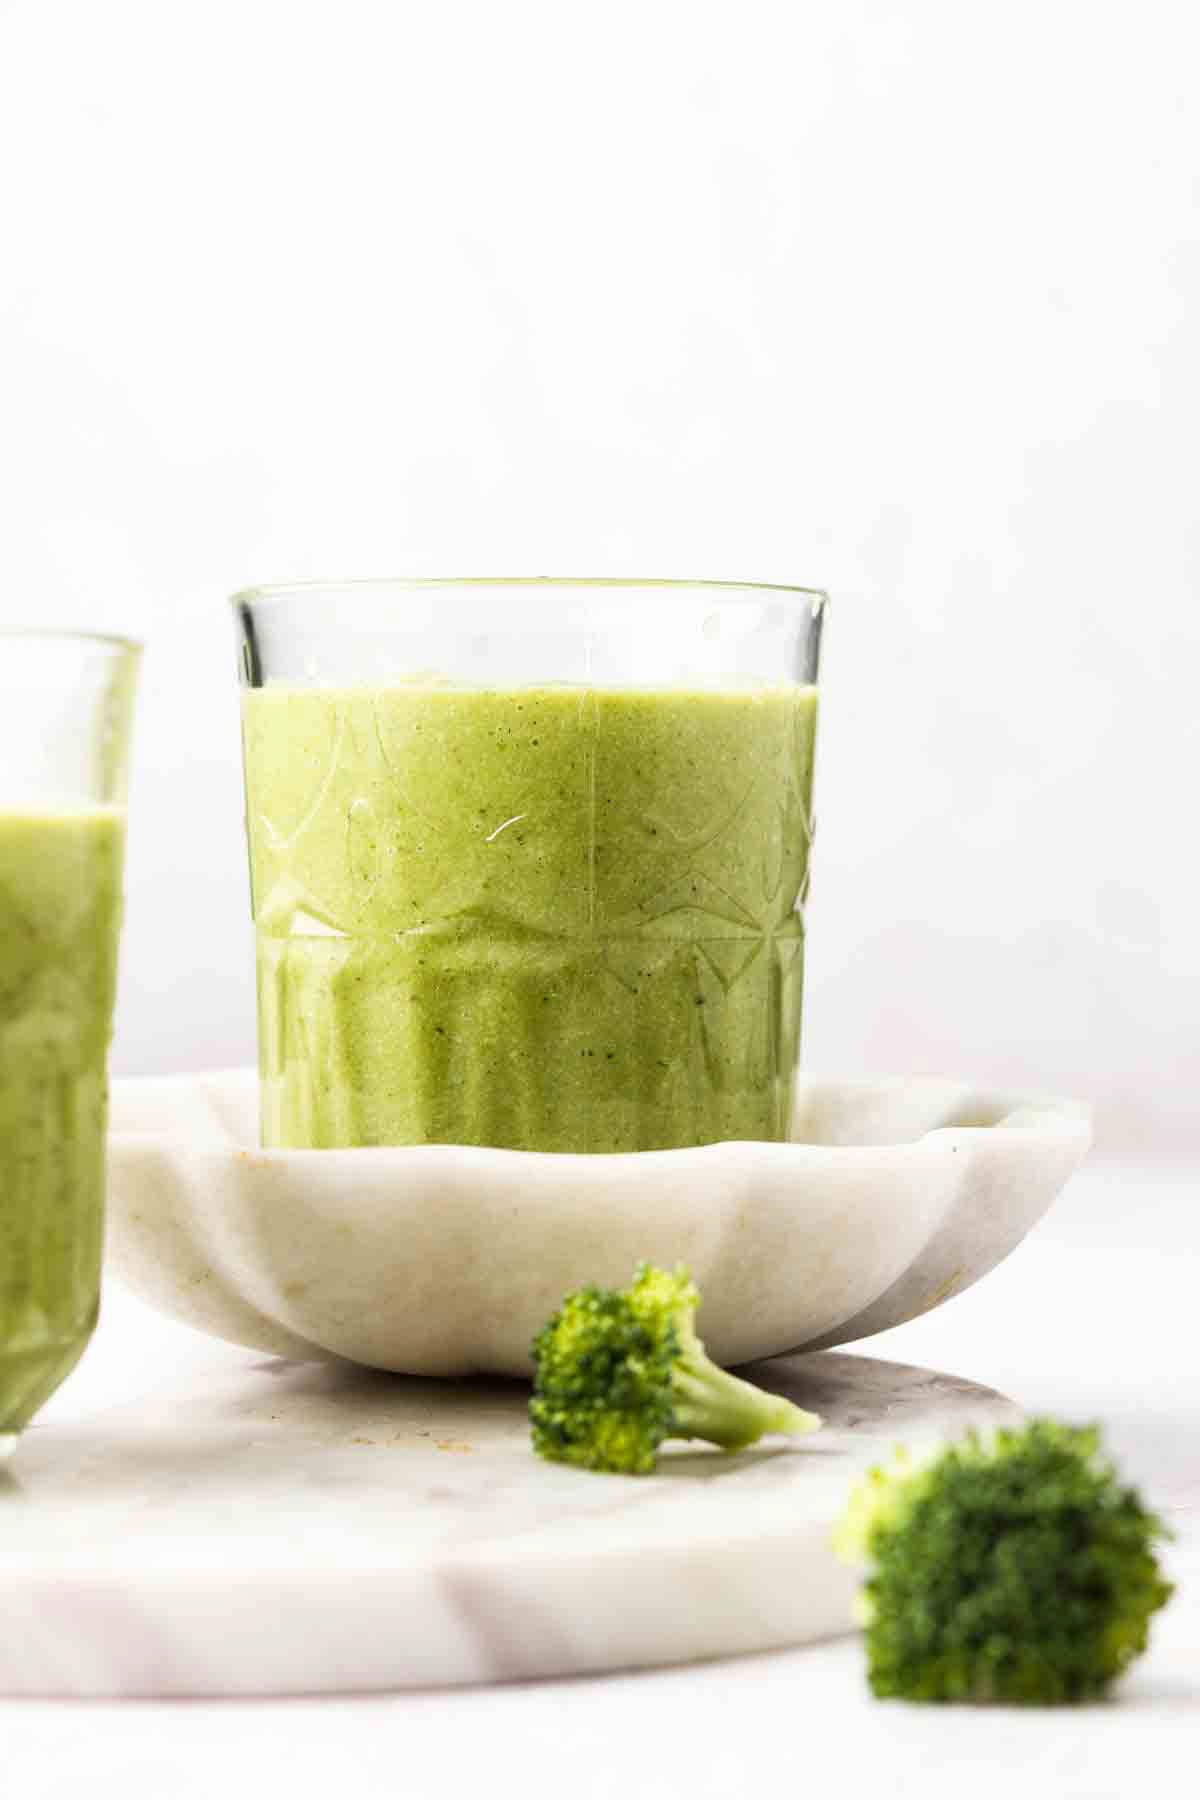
{"x":890,"y":299}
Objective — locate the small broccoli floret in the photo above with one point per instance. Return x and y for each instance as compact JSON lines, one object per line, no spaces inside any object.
{"x":1013,"y":1569}
{"x":617,"y":1371}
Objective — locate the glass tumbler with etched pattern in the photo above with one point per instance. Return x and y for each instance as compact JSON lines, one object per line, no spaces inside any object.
{"x":65,"y":706}
{"x":528,"y":859}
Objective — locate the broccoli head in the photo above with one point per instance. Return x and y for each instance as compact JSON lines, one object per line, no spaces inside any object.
{"x":1014,"y":1568}
{"x":618,"y":1371}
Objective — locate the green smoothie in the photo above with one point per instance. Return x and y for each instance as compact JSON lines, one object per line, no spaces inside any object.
{"x":555,"y":918}
{"x":60,"y":909}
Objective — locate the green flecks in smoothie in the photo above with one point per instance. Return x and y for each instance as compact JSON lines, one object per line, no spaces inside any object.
{"x":554,"y":919}
{"x":60,"y":908}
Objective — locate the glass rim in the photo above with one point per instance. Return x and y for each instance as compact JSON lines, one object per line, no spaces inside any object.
{"x":66,"y":634}
{"x":270,"y":591}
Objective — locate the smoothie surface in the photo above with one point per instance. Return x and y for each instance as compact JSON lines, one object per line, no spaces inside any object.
{"x":552,"y":918}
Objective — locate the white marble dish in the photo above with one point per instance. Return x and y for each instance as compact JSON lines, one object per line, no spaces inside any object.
{"x":444,"y":1261}
{"x":295,"y":1528}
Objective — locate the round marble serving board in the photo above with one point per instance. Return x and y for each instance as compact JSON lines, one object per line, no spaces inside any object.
{"x":283,"y":1527}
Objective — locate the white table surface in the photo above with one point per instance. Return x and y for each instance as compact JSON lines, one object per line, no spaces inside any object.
{"x":1094,"y":1317}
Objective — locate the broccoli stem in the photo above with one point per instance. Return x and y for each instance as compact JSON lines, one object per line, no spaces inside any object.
{"x":709,"y":1403}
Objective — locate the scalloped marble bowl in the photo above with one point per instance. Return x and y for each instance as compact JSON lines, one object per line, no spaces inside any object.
{"x":444,"y":1261}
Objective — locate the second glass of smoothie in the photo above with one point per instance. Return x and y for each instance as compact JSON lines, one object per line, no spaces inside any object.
{"x":65,"y":707}
{"x":528,"y":859}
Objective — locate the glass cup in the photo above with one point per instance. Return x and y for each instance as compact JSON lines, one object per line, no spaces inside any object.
{"x":528,"y":859}
{"x":65,"y":709}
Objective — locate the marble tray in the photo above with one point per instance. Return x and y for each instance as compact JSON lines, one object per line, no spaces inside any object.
{"x":444,"y":1261}
{"x":295,"y":1528}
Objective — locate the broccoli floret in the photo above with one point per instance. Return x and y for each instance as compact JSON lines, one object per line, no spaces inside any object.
{"x":1014,"y":1569}
{"x":617,"y":1371}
